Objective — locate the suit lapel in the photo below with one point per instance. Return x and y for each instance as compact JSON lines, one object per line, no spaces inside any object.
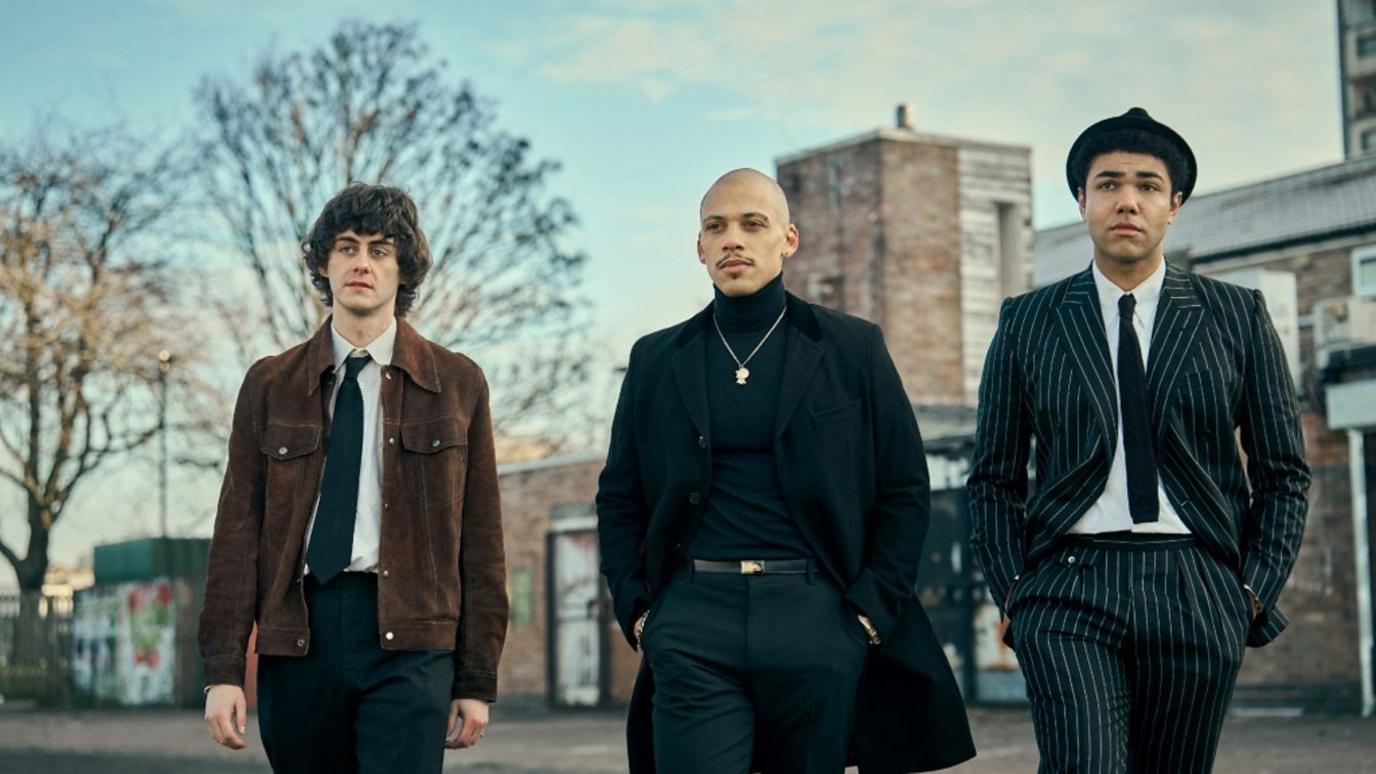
{"x":690,"y":370}
{"x":1173,"y":342}
{"x":1082,"y":325}
{"x":801,"y":355}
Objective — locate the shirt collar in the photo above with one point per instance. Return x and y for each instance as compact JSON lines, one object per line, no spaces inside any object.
{"x":380,"y":348}
{"x":1146,"y":294}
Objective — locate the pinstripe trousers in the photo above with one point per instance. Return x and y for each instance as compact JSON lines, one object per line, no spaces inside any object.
{"x":1130,"y":647}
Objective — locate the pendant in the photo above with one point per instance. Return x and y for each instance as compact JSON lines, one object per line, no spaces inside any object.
{"x":742,"y":374}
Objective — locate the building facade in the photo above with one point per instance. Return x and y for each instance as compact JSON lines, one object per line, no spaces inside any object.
{"x":1357,"y":69}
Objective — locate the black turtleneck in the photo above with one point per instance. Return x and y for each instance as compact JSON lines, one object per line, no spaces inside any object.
{"x":746,"y":516}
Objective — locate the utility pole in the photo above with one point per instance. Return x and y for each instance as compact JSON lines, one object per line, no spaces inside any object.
{"x":164,"y":365}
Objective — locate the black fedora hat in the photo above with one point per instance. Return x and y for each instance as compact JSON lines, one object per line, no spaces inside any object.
{"x":1135,"y":119}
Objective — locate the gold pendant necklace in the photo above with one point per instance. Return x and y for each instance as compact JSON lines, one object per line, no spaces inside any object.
{"x":743,"y":373}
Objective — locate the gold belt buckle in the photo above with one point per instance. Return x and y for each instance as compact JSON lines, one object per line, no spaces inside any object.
{"x":751,"y":567}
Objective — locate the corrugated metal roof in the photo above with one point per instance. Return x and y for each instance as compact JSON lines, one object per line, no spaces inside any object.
{"x":1305,"y":206}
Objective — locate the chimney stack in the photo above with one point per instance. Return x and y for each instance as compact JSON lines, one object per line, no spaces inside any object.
{"x":907,"y":116}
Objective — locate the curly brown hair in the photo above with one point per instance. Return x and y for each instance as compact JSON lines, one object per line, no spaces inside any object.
{"x":370,"y":209}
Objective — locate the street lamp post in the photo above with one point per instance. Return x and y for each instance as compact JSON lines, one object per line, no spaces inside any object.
{"x":164,"y":365}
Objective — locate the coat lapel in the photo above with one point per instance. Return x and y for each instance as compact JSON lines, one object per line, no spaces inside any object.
{"x":1082,"y":325}
{"x":801,"y":355}
{"x":690,"y":369}
{"x":1173,"y":342}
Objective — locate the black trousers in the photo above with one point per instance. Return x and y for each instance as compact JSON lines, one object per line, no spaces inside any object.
{"x":348,"y":705}
{"x":1130,"y":649}
{"x":762,"y":666}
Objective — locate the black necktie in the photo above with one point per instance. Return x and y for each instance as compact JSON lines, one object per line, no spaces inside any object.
{"x":332,"y":537}
{"x":1138,"y":450}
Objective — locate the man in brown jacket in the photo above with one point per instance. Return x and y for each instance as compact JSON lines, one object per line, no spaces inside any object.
{"x":359,"y":523}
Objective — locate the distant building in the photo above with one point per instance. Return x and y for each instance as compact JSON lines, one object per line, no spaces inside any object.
{"x":1357,"y":73}
{"x":922,"y":234}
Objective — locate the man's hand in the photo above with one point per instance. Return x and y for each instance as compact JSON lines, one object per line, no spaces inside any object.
{"x":226,"y":715}
{"x":467,"y":722}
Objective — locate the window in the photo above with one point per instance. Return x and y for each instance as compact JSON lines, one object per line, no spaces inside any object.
{"x":1364,"y":271}
{"x":1366,"y":45}
{"x":1369,"y":140}
{"x":1358,"y":11}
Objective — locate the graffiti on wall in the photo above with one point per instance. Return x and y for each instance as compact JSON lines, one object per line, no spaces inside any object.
{"x":123,"y":636}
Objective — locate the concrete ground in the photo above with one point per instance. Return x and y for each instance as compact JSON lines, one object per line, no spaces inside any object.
{"x":175,"y":742}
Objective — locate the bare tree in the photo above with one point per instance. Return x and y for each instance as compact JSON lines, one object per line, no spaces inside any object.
{"x":82,"y":317}
{"x":372,"y":104}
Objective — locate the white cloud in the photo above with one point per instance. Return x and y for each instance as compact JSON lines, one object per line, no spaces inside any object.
{"x":1253,"y":88}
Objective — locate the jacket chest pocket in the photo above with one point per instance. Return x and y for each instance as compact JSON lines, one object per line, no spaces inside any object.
{"x":288,"y":449}
{"x":837,"y":428}
{"x":434,"y":459}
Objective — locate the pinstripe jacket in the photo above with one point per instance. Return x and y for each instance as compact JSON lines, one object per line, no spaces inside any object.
{"x":1215,"y":367}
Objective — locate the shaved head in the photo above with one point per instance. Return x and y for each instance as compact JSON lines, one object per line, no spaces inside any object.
{"x":755,"y":182}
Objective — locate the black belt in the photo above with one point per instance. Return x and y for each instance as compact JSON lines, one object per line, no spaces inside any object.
{"x":757,"y":566}
{"x":1129,"y":541}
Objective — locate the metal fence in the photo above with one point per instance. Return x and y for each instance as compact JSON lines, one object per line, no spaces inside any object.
{"x":35,"y":647}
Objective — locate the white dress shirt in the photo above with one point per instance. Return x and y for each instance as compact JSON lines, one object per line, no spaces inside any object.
{"x":1110,"y":512}
{"x":368,"y":518}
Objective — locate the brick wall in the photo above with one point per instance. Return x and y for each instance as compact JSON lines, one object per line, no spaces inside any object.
{"x":531,"y":495}
{"x":881,"y":240}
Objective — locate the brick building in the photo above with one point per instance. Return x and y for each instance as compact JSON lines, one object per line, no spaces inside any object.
{"x":924,"y":235}
{"x":563,"y":647}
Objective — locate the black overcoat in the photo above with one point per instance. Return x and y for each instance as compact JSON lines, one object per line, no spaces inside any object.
{"x":854,"y":474}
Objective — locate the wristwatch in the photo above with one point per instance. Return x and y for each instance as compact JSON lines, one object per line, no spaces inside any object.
{"x":870,"y":631}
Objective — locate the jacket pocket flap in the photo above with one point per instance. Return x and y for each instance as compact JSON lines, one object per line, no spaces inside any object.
{"x":837,"y":413}
{"x":433,"y":435}
{"x":285,"y":442}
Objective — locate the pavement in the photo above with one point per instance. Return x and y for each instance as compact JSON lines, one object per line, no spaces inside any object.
{"x":175,"y":742}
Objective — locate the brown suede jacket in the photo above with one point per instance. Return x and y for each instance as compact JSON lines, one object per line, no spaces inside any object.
{"x":442,"y":569}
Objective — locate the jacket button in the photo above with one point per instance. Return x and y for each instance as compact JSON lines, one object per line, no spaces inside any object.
{"x":694,"y":498}
{"x":386,"y":573}
{"x":702,"y":442}
{"x":386,"y":506}
{"x":300,"y":643}
{"x":387,"y":373}
{"x":434,"y":443}
{"x":392,"y":441}
{"x":389,"y":636}
{"x":281,"y":450}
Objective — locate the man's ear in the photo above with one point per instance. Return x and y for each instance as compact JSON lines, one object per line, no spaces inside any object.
{"x":791,"y":241}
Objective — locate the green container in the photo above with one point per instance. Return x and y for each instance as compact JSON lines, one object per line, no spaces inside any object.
{"x":148,"y":558}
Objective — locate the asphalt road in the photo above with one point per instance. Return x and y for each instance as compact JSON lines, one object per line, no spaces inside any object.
{"x":175,"y":742}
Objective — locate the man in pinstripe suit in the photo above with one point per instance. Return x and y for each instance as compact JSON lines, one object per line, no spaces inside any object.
{"x":1147,"y":557}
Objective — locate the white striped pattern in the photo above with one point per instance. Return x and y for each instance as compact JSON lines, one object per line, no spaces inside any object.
{"x":1130,"y":656}
{"x":1216,"y":365}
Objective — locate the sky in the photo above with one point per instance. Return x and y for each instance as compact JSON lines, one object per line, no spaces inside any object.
{"x":646,"y":102}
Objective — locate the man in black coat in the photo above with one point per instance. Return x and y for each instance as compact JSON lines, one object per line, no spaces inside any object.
{"x":1147,"y":558}
{"x":761,"y":516}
